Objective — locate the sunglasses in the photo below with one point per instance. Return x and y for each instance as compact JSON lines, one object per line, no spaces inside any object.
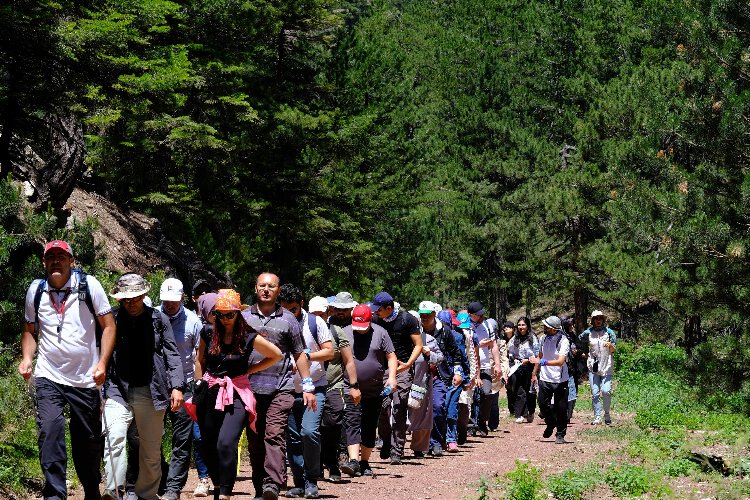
{"x":132,"y":300}
{"x":228,"y":315}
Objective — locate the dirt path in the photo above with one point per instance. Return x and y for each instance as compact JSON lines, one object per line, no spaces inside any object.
{"x":449,"y":477}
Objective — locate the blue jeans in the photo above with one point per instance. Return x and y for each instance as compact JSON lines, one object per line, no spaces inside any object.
{"x":303,"y":439}
{"x":451,"y":405}
{"x":439,"y":411}
{"x":601,"y":388}
{"x":200,"y":463}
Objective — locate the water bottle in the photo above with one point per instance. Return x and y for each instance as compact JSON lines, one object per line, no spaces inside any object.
{"x":386,"y":391}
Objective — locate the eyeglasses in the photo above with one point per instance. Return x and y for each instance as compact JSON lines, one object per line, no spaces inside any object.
{"x":228,"y":315}
{"x":132,"y":300}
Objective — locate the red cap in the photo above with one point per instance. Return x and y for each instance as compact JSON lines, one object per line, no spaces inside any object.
{"x":453,"y":318}
{"x":62,"y":245}
{"x":361,"y":317}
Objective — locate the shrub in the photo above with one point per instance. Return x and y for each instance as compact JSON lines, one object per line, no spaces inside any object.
{"x":572,"y":484}
{"x":525,"y":483}
{"x":628,"y":480}
{"x":678,"y":467}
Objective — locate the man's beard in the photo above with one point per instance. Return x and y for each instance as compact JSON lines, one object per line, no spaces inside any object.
{"x":336,"y":321}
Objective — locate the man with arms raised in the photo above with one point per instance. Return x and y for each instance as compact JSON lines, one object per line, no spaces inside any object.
{"x":61,"y":317}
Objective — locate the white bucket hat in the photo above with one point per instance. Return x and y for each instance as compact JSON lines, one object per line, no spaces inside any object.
{"x":130,"y":285}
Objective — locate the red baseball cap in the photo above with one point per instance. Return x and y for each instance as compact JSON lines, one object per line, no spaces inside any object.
{"x":361,"y":317}
{"x":62,"y":245}
{"x":453,"y":318}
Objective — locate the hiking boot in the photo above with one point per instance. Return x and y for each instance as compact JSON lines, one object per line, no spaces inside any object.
{"x":559,"y":440}
{"x":452,"y":448}
{"x":437,"y":451}
{"x":270,"y":492}
{"x":351,"y":467}
{"x":548,"y":432}
{"x":607,"y":420}
{"x":295,"y":492}
{"x":530,"y":418}
{"x":311,"y":490}
{"x":364,"y":466}
{"x":418,"y":454}
{"x":203,"y":488}
{"x":395,"y":460}
{"x":334,"y":475}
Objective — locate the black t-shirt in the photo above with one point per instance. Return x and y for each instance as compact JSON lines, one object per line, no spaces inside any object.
{"x":400,"y":331}
{"x":225,"y":363}
{"x":134,"y":361}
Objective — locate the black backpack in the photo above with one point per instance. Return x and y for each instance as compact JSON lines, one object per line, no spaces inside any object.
{"x":83,"y":295}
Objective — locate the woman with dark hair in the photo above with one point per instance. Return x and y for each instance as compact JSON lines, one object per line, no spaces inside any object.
{"x":521,"y":347}
{"x":574,"y":363}
{"x":228,"y":406}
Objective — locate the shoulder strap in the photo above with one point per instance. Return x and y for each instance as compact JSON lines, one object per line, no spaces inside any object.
{"x":85,"y":296}
{"x":37,"y":301}
{"x":313,"y":324}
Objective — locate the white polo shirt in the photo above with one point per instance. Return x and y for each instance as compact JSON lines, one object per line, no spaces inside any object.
{"x":317,"y":368}
{"x":67,"y":356}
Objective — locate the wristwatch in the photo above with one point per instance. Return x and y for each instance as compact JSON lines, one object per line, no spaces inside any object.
{"x":355,"y":385}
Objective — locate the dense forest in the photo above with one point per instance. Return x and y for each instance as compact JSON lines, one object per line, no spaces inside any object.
{"x":571,"y":153}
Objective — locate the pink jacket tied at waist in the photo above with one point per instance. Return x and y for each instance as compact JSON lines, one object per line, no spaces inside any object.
{"x":225,"y":397}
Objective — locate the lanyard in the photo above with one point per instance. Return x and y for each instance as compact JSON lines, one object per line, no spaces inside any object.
{"x":60,"y":311}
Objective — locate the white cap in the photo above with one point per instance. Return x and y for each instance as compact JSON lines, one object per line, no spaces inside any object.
{"x":171,"y":290}
{"x":597,"y":312}
{"x":426,"y":307}
{"x":317,"y":304}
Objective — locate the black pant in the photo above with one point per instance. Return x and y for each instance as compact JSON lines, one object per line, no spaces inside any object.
{"x":485,"y":400}
{"x":86,"y":441}
{"x":220,"y":433}
{"x":555,"y":415}
{"x":361,"y":421}
{"x":520,"y":384}
{"x":494,"y":421}
{"x":330,"y":428}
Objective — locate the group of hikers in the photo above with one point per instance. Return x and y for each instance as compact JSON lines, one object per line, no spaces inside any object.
{"x":314,"y":384}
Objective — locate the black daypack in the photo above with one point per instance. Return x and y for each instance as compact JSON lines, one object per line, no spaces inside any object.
{"x":83,"y":295}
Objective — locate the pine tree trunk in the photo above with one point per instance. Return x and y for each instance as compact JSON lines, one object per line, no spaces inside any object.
{"x":581,"y":301}
{"x":692,"y":332}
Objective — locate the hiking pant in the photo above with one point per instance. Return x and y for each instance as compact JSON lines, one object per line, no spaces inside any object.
{"x":182,"y":442}
{"x":303,"y":439}
{"x":555,"y":415}
{"x":200,"y":463}
{"x":439,"y":414}
{"x":361,"y":421}
{"x":267,"y":445}
{"x":116,"y":420}
{"x":394,"y":435}
{"x":150,"y":424}
{"x":462,"y":426}
{"x":601,"y":389}
{"x":221,"y":431}
{"x":451,"y":405}
{"x":494,"y":420}
{"x":485,"y":400}
{"x":85,"y":437}
{"x":330,"y":428}
{"x":520,"y":385}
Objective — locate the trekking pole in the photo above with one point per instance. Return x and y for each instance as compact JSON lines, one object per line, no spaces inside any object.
{"x":109,"y":445}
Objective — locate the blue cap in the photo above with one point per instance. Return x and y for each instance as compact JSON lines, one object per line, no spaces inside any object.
{"x":463,"y":318}
{"x":331,"y":298}
{"x":445,"y":317}
{"x":382,"y":299}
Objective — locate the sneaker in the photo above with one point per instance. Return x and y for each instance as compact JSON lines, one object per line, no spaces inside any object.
{"x":110,"y":495}
{"x":203,"y":487}
{"x":270,"y":492}
{"x":607,"y":420}
{"x":437,"y":451}
{"x":351,"y":467}
{"x":548,"y":432}
{"x":170,"y":495}
{"x":559,"y":440}
{"x":452,"y":448}
{"x":481,"y":434}
{"x":334,"y":475}
{"x":418,"y":454}
{"x":395,"y":460}
{"x":130,"y":495}
{"x":530,"y":418}
{"x":521,"y":420}
{"x":385,"y":452}
{"x":295,"y":492}
{"x":596,"y":421}
{"x":311,"y":490}
{"x":364,"y":466}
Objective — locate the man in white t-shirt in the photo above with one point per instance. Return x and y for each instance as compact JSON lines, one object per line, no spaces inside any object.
{"x":551,"y":369}
{"x":60,"y":326}
{"x":303,"y":433}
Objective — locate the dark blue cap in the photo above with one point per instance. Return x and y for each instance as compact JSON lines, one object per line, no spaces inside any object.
{"x":382,"y":299}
